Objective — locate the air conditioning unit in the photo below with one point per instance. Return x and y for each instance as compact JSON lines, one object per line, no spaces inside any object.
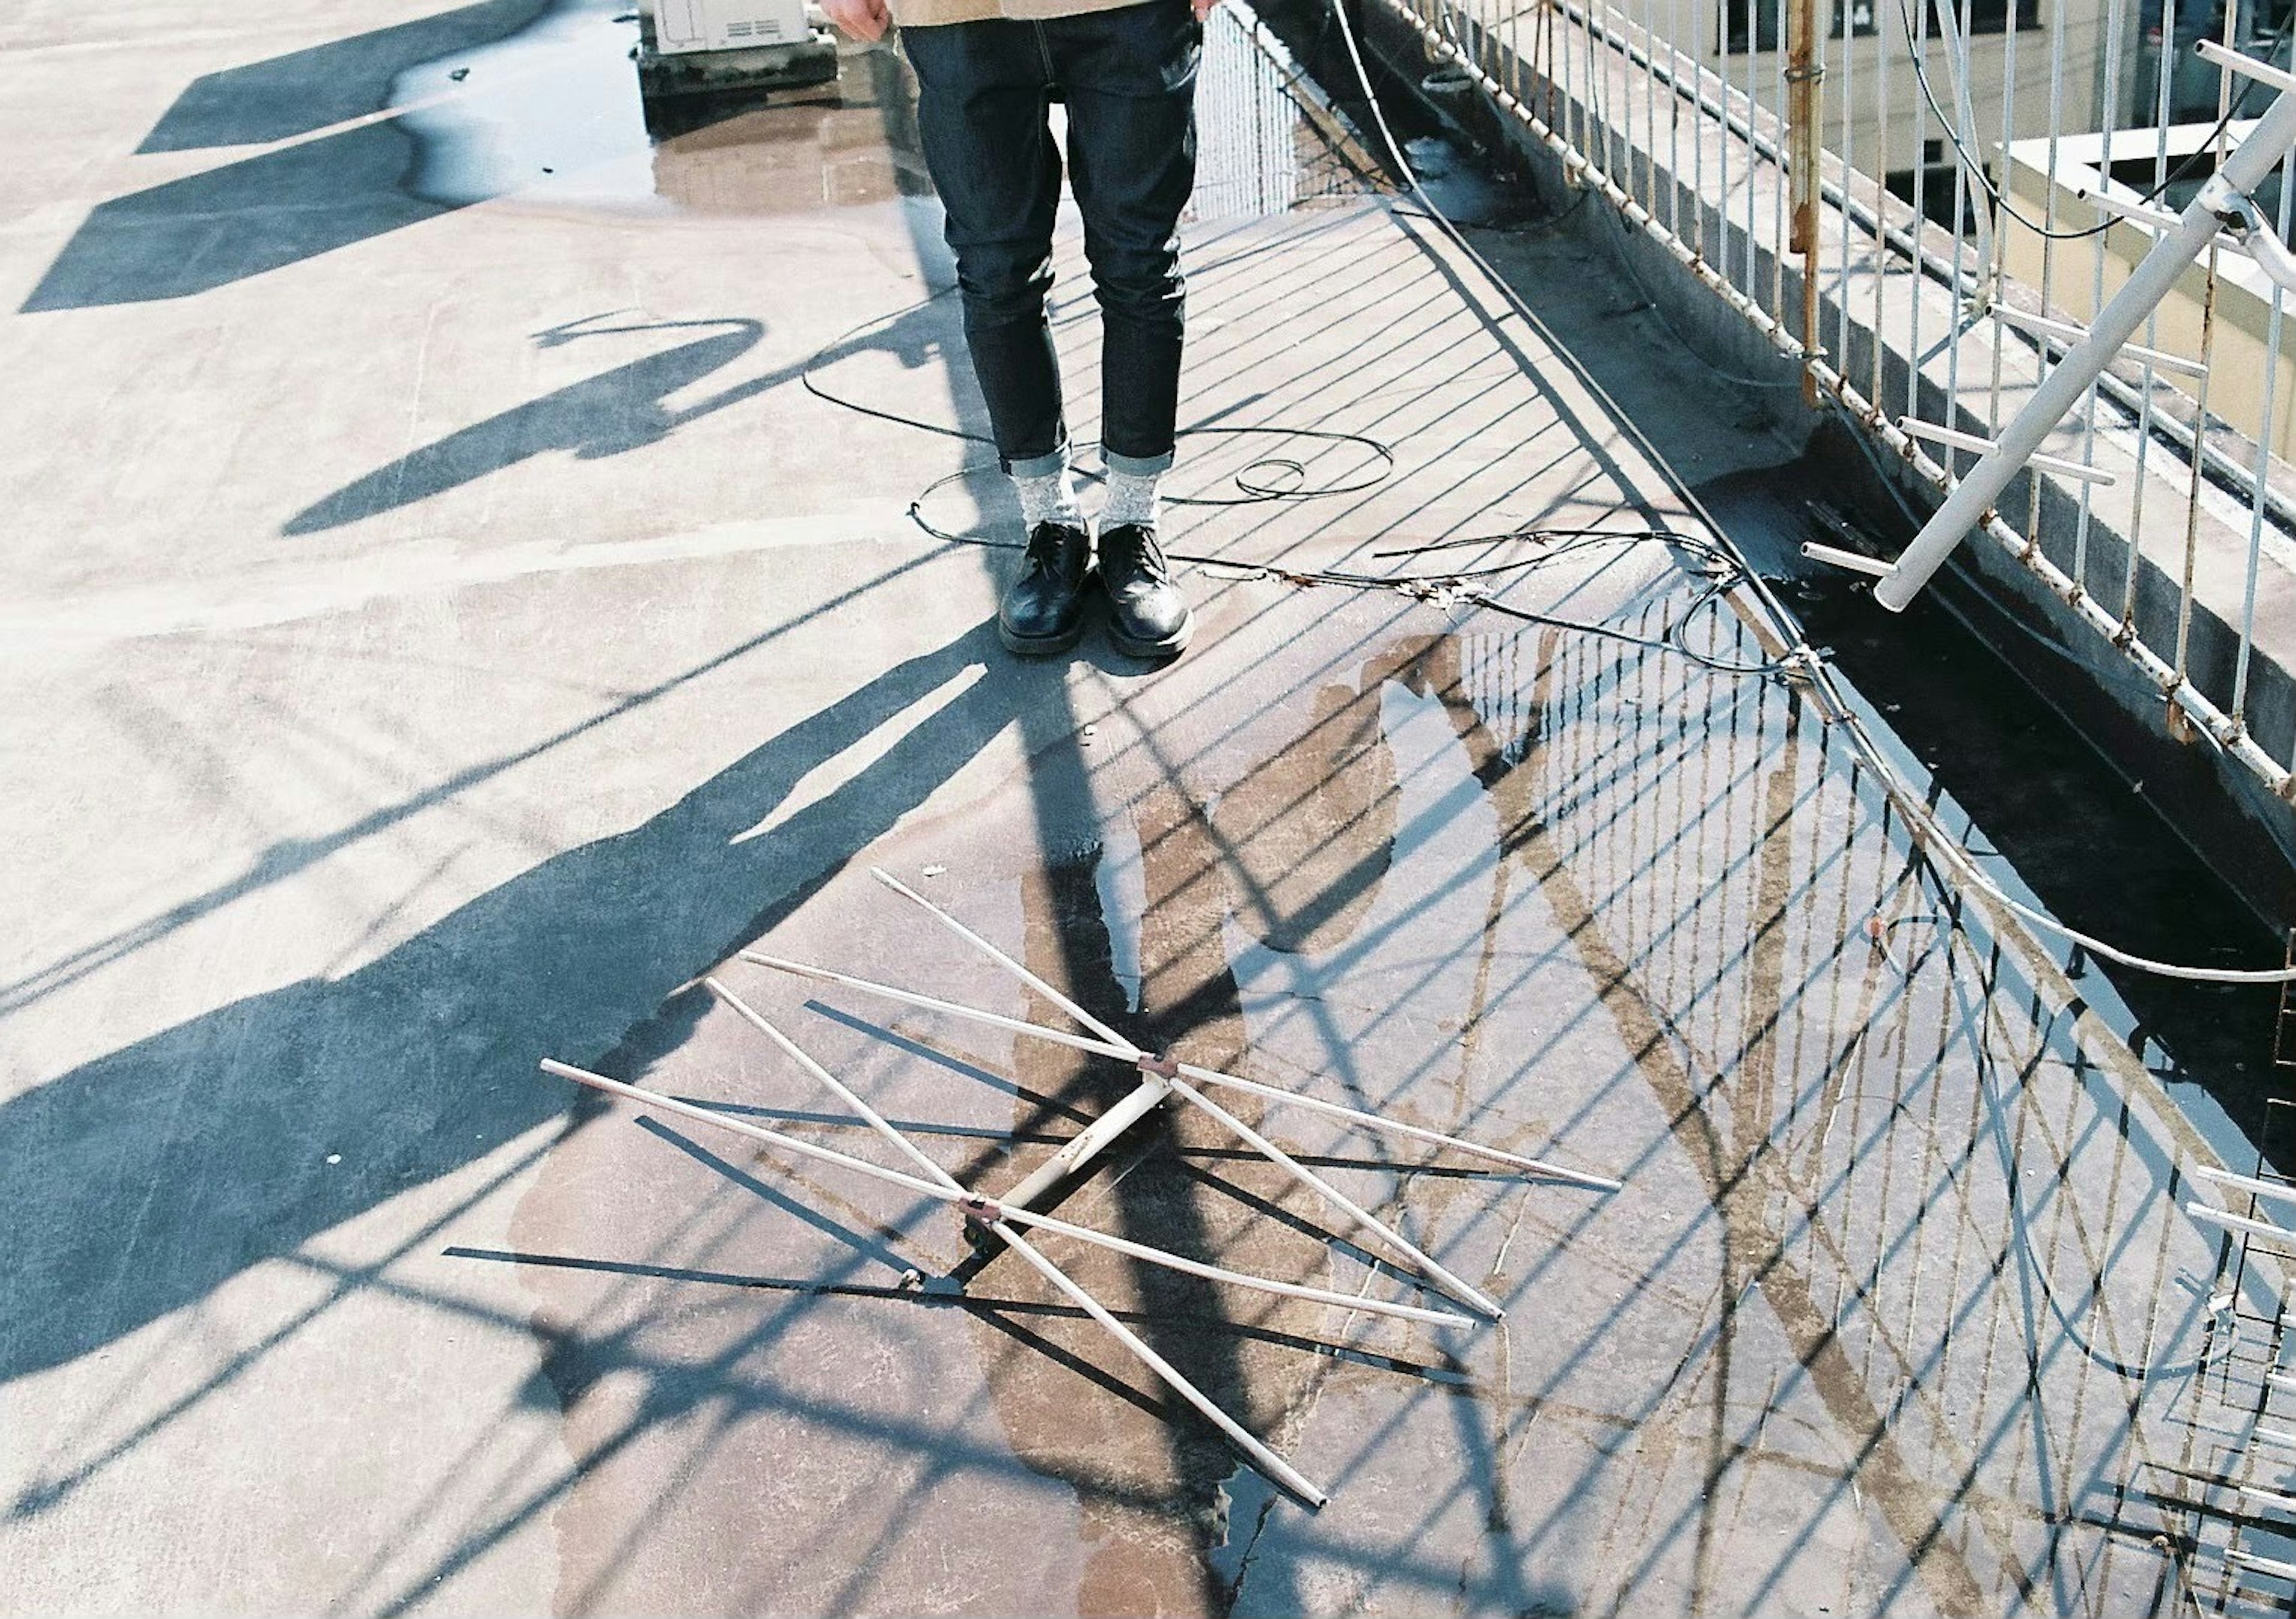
{"x":680,"y":26}
{"x":693,"y":52}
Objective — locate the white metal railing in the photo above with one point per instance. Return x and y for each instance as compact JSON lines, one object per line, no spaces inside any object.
{"x":1964,"y":204}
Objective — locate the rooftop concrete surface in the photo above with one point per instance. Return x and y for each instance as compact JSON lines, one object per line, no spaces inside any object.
{"x":440,"y":624}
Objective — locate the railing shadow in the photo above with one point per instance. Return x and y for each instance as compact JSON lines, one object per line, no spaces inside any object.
{"x":421,"y":1062}
{"x":308,"y":90}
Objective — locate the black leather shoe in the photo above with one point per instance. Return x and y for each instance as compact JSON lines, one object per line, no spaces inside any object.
{"x":1148,"y":617}
{"x":1043,"y":611}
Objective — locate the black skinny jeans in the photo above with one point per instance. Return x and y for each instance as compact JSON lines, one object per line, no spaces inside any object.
{"x":1128,"y":79}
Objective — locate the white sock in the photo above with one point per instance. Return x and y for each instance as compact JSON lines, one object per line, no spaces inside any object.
{"x":1049,"y":499}
{"x":1131,"y":499}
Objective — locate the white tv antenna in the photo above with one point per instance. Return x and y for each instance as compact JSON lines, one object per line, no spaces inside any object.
{"x":1161,"y":1078}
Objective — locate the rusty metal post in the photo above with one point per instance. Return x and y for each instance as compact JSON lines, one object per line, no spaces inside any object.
{"x":1804,"y":78}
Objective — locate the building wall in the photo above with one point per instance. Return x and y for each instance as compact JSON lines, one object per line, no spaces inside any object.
{"x":2082,"y":274}
{"x":1875,"y":115}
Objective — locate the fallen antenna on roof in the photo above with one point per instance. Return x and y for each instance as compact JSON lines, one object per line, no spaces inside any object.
{"x":1161,"y":1078}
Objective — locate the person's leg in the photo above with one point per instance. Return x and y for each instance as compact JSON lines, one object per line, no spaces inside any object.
{"x":1130,"y":79}
{"x":983,"y":99}
{"x":982,"y":95}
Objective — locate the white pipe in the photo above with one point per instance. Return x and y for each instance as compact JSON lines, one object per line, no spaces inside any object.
{"x":1394,"y":1239}
{"x":2065,"y":332}
{"x":1208,"y":1076}
{"x":2159,"y":219}
{"x":989,"y":1210}
{"x":2247,"y":1183}
{"x":1007,"y":962}
{"x":2155,"y":275}
{"x":852,"y":1099}
{"x":2271,"y":1568}
{"x":1262,"y":1456}
{"x":1095,"y":1139}
{"x":1346,"y":1205}
{"x":1957,"y":57}
{"x":2263,"y":244}
{"x":1090,"y":1142}
{"x":1913,"y":426}
{"x":1268,"y":1461}
{"x":2262,"y":72}
{"x":1079,"y":1149}
{"x":1856,"y":561}
{"x":2235,"y":1222}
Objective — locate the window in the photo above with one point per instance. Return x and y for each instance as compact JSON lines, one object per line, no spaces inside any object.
{"x":1753,"y":25}
{"x":1936,"y":177}
{"x":1988,"y":16}
{"x":2193,"y":20}
{"x":1765,"y":21}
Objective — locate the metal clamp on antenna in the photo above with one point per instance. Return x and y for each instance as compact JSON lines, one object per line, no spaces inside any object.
{"x":2237,"y":213}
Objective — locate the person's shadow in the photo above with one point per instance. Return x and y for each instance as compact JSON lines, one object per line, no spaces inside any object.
{"x":263,"y":212}
{"x":140,"y":1181}
{"x":619,"y":409}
